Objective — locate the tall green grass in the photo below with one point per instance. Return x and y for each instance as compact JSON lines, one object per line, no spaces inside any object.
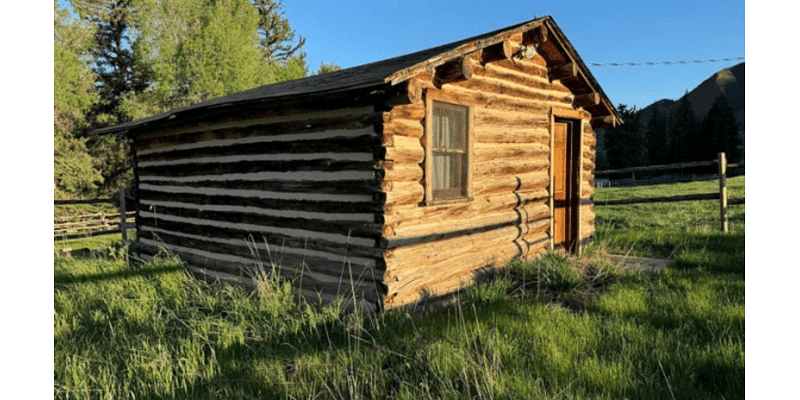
{"x":554,"y":328}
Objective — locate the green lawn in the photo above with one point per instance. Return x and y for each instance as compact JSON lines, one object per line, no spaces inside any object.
{"x":551,"y":329}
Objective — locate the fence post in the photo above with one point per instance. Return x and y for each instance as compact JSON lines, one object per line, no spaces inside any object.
{"x":122,"y":212}
{"x":723,"y":193}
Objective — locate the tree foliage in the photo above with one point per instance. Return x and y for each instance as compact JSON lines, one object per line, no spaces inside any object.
{"x":141,"y":57}
{"x":722,"y":131}
{"x":656,"y":139}
{"x":73,"y":172}
{"x":624,"y":143}
{"x":276,"y":37}
{"x":683,"y":132}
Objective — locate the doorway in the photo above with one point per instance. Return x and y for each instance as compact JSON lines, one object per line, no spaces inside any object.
{"x":566,"y":169}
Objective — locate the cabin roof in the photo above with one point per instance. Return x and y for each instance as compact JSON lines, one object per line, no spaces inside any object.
{"x":390,"y":72}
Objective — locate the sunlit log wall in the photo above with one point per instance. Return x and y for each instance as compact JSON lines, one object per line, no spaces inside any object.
{"x":437,"y":249}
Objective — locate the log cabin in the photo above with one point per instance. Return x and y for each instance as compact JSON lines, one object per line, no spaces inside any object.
{"x":386,"y":183}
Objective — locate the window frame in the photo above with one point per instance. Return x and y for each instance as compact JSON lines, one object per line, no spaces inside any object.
{"x":445,"y":196}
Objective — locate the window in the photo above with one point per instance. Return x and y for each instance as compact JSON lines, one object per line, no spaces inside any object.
{"x":447,"y":151}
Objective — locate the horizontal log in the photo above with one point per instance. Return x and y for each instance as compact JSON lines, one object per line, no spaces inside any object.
{"x":500,"y":86}
{"x":405,"y":193}
{"x":534,"y":67}
{"x":564,"y":72}
{"x":508,"y":119}
{"x":297,"y":125}
{"x":405,"y":155}
{"x":359,"y":144}
{"x":354,"y":228}
{"x":333,"y":207}
{"x":603,"y":122}
{"x":247,"y":167}
{"x":537,"y":180}
{"x":404,"y":173}
{"x":484,"y":134}
{"x":413,"y":112}
{"x":483,"y":152}
{"x":403,"y":127}
{"x":341,"y":190}
{"x":586,"y":100}
{"x":503,"y":167}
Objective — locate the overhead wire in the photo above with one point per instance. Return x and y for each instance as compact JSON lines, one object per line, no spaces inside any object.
{"x":649,"y":63}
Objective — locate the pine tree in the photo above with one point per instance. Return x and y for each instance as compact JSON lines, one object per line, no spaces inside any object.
{"x":721,"y":130}
{"x":624,"y":145}
{"x":276,"y":37}
{"x":656,"y":139}
{"x":683,"y":129}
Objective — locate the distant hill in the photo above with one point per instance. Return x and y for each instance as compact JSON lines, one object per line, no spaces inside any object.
{"x":727,"y":81}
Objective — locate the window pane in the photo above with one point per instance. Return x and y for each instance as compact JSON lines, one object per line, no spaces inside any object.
{"x":449,"y":127}
{"x":449,"y":146}
{"x":447,"y":171}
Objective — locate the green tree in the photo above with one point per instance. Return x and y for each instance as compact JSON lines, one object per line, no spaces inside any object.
{"x":683,"y":129}
{"x":73,"y":94}
{"x":624,"y":145}
{"x":721,"y":131}
{"x":276,"y":37}
{"x":201,"y":49}
{"x":327,"y":68}
{"x":656,"y":139}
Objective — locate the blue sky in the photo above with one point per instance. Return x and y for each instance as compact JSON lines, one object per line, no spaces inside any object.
{"x":357,"y":32}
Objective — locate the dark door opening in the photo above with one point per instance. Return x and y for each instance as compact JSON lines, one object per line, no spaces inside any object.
{"x":566,"y":167}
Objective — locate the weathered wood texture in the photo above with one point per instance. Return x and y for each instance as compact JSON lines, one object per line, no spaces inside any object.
{"x":433,"y":250}
{"x":298,"y":192}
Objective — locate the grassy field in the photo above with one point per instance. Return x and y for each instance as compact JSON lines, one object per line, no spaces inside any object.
{"x":555,"y":328}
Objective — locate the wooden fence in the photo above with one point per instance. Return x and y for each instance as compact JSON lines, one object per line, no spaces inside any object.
{"x":721,"y":195}
{"x":95,"y":224}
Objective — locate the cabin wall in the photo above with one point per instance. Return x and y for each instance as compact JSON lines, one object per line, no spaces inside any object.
{"x":437,"y":249}
{"x":279,"y":189}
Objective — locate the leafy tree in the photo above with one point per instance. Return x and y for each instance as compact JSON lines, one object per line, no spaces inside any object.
{"x":721,"y":130}
{"x":327,"y":68}
{"x":683,"y":129}
{"x":624,"y":144}
{"x":149,"y":56}
{"x":656,"y":139}
{"x":73,"y":173}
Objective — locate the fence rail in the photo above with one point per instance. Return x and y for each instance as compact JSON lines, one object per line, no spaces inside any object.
{"x":722,"y":195}
{"x":96,"y":224}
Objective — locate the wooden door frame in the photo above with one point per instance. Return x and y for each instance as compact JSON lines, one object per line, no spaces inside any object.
{"x":575,"y":156}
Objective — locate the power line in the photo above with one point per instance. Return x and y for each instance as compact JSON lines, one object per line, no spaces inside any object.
{"x":648,"y":63}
